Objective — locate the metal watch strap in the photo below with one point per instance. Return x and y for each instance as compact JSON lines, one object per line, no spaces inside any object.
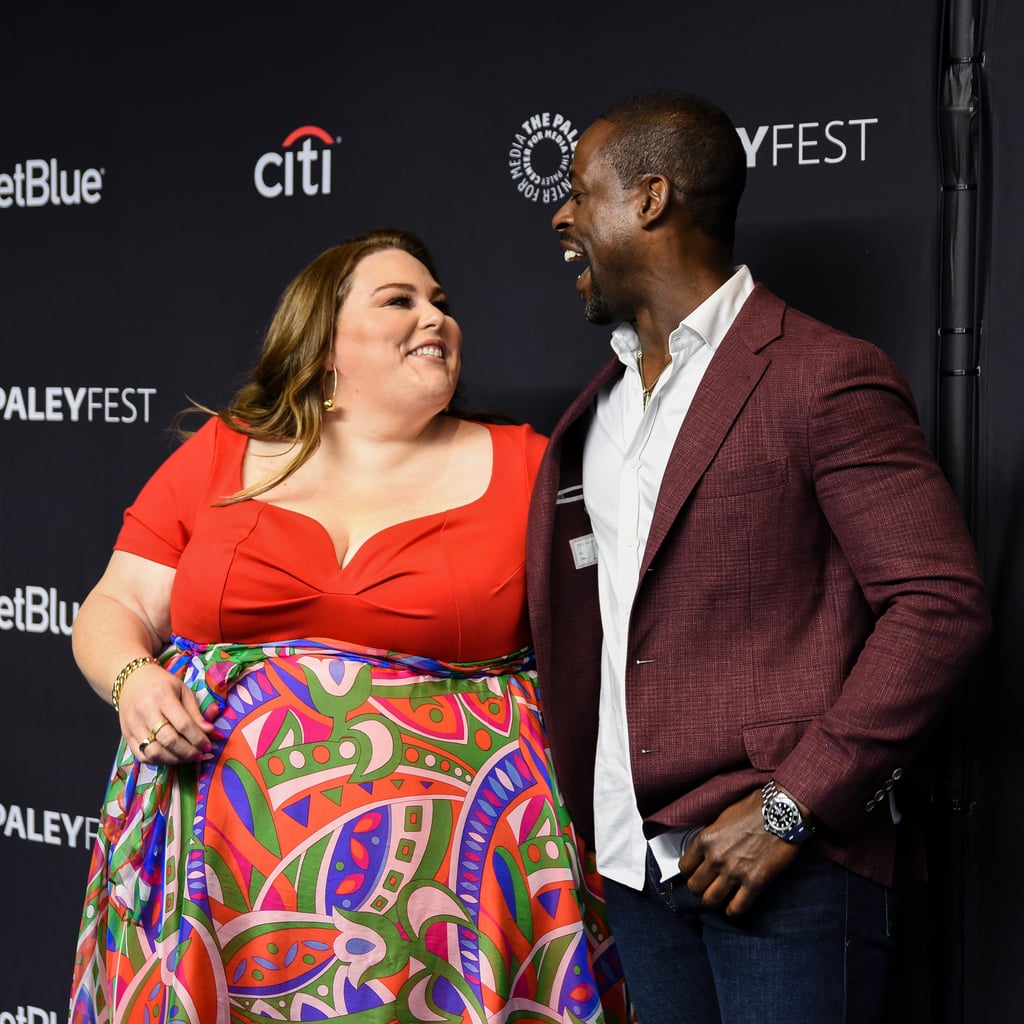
{"x":800,"y":831}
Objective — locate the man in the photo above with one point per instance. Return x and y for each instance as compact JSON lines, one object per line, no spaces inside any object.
{"x":752,"y":594}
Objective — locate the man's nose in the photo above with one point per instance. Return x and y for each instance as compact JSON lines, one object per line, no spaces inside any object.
{"x":562,"y":218}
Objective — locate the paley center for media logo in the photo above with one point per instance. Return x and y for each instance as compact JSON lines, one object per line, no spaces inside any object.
{"x":303,"y":163}
{"x":540,"y":155}
{"x":43,"y":182}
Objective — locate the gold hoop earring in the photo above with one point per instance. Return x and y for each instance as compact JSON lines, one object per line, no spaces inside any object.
{"x":329,"y":402}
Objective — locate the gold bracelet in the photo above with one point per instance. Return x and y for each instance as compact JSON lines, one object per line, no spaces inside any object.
{"x":122,"y":676}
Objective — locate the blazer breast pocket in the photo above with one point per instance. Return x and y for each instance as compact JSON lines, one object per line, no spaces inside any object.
{"x":730,"y":482}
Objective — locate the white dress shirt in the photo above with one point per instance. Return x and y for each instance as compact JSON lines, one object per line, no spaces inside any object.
{"x":624,"y":461}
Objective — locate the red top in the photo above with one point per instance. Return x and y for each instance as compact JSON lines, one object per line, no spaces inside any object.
{"x":449,"y":585}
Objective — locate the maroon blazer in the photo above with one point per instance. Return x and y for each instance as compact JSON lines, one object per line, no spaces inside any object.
{"x":809,"y":598}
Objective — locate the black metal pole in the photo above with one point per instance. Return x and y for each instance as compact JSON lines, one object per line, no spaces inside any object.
{"x":959,"y":122}
{"x":959,"y":110}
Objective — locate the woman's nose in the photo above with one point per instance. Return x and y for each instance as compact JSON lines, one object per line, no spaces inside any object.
{"x":433,"y":316}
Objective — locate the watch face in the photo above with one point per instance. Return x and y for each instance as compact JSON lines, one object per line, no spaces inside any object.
{"x":781,"y":814}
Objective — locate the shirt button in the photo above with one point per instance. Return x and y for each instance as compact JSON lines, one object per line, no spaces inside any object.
{"x":633,"y":463}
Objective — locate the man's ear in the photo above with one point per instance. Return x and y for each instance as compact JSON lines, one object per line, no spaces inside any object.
{"x":656,"y":193}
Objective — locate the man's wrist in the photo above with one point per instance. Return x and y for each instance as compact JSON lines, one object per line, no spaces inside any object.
{"x":783,"y":816}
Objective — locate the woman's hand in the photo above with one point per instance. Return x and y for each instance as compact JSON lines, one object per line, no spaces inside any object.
{"x":125,"y":617}
{"x":160,"y":718}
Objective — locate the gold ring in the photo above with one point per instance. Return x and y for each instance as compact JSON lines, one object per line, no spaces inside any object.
{"x":151,"y":738}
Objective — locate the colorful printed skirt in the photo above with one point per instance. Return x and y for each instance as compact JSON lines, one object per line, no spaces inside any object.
{"x":378,"y":838}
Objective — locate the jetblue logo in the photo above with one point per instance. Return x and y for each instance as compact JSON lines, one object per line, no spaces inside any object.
{"x":30,"y":1015}
{"x":35,"y":609}
{"x":46,"y":183}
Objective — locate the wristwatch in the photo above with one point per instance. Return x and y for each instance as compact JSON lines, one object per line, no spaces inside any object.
{"x":781,"y":815}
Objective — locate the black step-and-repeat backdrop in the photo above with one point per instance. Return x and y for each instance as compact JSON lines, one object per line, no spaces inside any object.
{"x":163,"y":176}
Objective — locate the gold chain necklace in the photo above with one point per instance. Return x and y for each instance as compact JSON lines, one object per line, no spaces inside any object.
{"x":645,"y":389}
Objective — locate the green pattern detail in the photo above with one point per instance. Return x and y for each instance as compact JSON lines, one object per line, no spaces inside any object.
{"x":260,"y":809}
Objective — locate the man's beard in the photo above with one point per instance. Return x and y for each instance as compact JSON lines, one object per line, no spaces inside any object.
{"x":596,"y":309}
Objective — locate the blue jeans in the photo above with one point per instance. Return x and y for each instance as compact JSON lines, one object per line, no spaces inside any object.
{"x":814,"y":947}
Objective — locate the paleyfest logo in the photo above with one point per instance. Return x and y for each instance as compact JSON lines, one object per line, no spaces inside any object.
{"x":305,"y":167}
{"x":58,"y":402}
{"x":540,"y":155}
{"x":542,"y":148}
{"x":806,"y":143}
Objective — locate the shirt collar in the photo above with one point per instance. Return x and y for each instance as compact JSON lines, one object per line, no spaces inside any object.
{"x":706,"y":325}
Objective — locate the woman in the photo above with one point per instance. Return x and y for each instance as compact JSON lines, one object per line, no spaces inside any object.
{"x":333,"y":796}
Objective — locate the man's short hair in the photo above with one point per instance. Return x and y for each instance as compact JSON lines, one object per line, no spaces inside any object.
{"x":693,"y":143}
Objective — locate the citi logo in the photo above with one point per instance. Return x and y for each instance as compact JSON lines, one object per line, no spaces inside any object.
{"x":45,"y":183}
{"x":275,"y":173}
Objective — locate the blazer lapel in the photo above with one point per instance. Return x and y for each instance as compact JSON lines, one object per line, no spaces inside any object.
{"x":555,"y":473}
{"x":561,"y":470}
{"x":731,"y":376}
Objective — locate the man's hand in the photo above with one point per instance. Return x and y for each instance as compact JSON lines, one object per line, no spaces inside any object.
{"x":734,"y":858}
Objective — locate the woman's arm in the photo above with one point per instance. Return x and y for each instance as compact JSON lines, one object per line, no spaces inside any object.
{"x":127,"y":617}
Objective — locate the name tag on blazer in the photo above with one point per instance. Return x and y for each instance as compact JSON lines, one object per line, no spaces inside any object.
{"x":584,"y":551}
